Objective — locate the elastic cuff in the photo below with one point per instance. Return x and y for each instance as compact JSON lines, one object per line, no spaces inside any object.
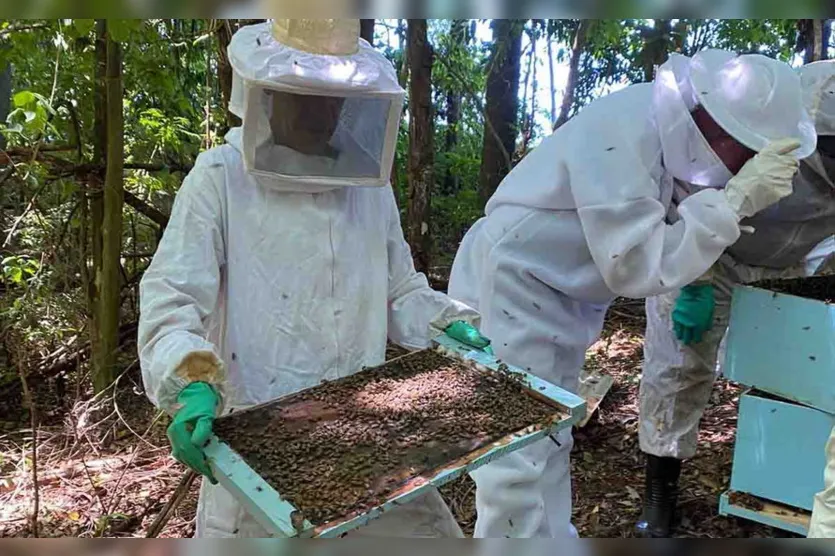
{"x":737,"y":205}
{"x":451,"y":314}
{"x":705,"y":279}
{"x":173,"y":386}
{"x":201,"y":366}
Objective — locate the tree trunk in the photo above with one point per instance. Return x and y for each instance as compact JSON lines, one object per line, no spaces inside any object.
{"x":502,"y":102}
{"x":525,"y":129}
{"x":402,"y":67}
{"x":527,"y":84}
{"x":224,"y":34}
{"x":421,"y":149}
{"x":224,"y":68}
{"x":531,"y":116}
{"x":5,"y":98}
{"x":96,"y":196}
{"x":110,"y":277}
{"x":577,"y":47}
{"x":367,"y":30}
{"x":679,"y":38}
{"x":813,"y":39}
{"x":553,"y":81}
{"x":452,"y":182}
{"x":657,"y":43}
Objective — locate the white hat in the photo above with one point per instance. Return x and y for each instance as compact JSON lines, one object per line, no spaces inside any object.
{"x":818,"y":82}
{"x":754,"y":98}
{"x":258,"y":56}
{"x":337,"y":37}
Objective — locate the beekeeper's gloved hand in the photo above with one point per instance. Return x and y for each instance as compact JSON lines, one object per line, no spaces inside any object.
{"x":693,"y":313}
{"x":765,"y":179}
{"x":191,"y":427}
{"x":468,"y":334}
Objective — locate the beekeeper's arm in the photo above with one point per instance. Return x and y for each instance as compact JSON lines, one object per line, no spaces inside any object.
{"x":636,"y":251}
{"x":823,"y":512}
{"x":417,"y":313}
{"x":180,"y":290}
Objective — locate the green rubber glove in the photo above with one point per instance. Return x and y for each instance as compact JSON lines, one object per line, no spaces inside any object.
{"x":191,"y":427}
{"x":468,"y":334}
{"x":693,"y":313}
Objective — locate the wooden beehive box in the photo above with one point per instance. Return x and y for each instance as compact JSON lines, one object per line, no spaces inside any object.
{"x":784,"y":344}
{"x":781,"y":344}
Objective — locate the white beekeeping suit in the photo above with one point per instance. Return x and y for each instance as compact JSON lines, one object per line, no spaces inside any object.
{"x":791,"y":239}
{"x":284,"y":262}
{"x":583,"y":219}
{"x":820,"y":77}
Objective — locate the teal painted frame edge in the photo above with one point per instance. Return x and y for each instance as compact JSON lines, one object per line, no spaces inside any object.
{"x":575,"y":405}
{"x":233,"y":473}
{"x":259,"y":498}
{"x":816,"y":365}
{"x":726,"y":508}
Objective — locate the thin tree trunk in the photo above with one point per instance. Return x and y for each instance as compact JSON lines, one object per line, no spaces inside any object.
{"x":5,"y":106}
{"x":421,"y":150}
{"x":402,"y":77}
{"x":452,"y":182}
{"x":84,"y":245}
{"x":367,"y":30}
{"x":531,"y":116}
{"x":110,"y":278}
{"x":502,"y":103}
{"x":577,"y":47}
{"x":5,"y":98}
{"x":208,"y":105}
{"x":553,"y":81}
{"x":526,"y":87}
{"x":813,"y":39}
{"x":96,"y":196}
{"x":656,"y":47}
{"x":224,"y":37}
{"x":679,"y":39}
{"x":403,"y":73}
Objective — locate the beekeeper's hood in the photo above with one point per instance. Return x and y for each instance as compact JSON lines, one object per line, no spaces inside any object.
{"x":818,"y":82}
{"x":320,"y":107}
{"x":755,"y":99}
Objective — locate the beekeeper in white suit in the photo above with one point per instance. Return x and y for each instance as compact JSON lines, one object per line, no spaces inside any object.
{"x":685,"y":329}
{"x":284,"y":263}
{"x":635,"y":196}
{"x":819,"y":90}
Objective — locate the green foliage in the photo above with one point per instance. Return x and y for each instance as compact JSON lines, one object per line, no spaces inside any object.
{"x":81,"y":27}
{"x":460,"y":70}
{"x":452,"y":216}
{"x":17,"y":270}
{"x":169,"y":78}
{"x":31,"y":116}
{"x":122,"y":30}
{"x":772,"y":37}
{"x":162,"y":133}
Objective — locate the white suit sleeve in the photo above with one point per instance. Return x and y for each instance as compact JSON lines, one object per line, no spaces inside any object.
{"x":417,"y":313}
{"x":180,"y":291}
{"x":640,"y":255}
